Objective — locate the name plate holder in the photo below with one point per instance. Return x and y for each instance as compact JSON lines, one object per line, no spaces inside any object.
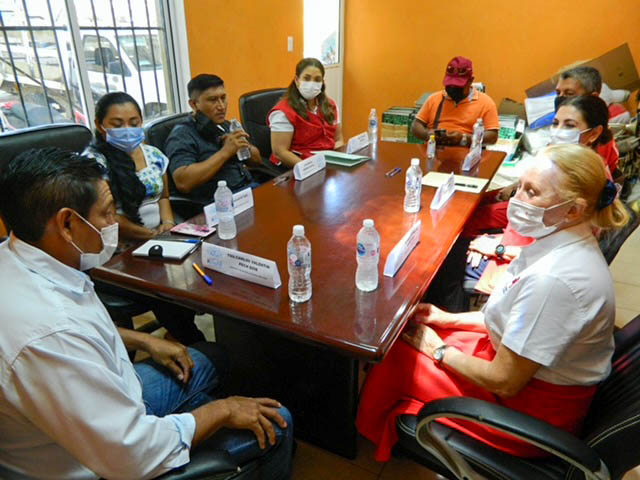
{"x":401,"y":251}
{"x":472,"y":158}
{"x":308,"y":167}
{"x":241,"y":265}
{"x":358,"y":142}
{"x":242,"y":200}
{"x":444,"y":192}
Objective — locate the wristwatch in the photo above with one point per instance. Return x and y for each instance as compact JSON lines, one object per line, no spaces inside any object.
{"x":500,"y":251}
{"x":463,"y":140}
{"x":438,"y":353}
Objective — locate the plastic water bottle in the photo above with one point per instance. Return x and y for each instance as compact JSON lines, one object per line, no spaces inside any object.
{"x":224,"y":211}
{"x":243,"y":153}
{"x":373,"y":126}
{"x":413,"y":187}
{"x":478,"y":134}
{"x":431,"y":152}
{"x":299,"y":261}
{"x":368,"y":255}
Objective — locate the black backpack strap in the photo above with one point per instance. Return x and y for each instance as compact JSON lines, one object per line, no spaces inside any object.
{"x":438,"y":113}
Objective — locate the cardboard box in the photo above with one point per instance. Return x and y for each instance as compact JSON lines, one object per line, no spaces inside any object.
{"x":616,"y":67}
{"x":395,"y":124}
{"x":511,"y":107}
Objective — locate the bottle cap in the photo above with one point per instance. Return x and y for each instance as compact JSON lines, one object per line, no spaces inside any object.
{"x":298,"y":230}
{"x":415,"y":161}
{"x":373,"y":110}
{"x":367,"y":222}
{"x":222,"y":183}
{"x":432,"y":136}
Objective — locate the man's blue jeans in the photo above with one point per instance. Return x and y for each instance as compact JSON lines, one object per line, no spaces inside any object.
{"x":163,"y":395}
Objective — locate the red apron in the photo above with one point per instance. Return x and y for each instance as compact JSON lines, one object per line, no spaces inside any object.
{"x":407,"y":379}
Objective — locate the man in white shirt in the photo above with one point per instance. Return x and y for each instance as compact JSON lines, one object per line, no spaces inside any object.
{"x":72,"y":405}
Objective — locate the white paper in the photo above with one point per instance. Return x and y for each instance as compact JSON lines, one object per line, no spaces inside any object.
{"x":242,"y":200}
{"x":401,"y":251}
{"x":444,"y":192}
{"x":241,"y":265}
{"x":308,"y":167}
{"x":171,"y":250}
{"x":358,"y":142}
{"x":462,"y":183}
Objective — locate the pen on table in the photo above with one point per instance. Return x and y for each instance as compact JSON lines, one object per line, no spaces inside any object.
{"x":185,"y":240}
{"x":468,"y":185}
{"x":282,"y":179}
{"x":221,"y":128}
{"x":204,"y":276}
{"x":393,"y":172}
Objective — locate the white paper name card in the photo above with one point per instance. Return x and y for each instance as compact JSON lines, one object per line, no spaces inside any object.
{"x":308,"y":167}
{"x":444,"y":192}
{"x":472,"y":158}
{"x":242,"y":200}
{"x":358,"y":142}
{"x":401,"y":251}
{"x":241,"y":265}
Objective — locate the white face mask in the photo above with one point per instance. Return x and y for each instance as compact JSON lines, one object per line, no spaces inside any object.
{"x":561,"y":136}
{"x":528,"y":220}
{"x":109,"y":237}
{"x":310,"y":90}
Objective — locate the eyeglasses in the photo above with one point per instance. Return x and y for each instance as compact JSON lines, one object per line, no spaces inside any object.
{"x":459,"y":71}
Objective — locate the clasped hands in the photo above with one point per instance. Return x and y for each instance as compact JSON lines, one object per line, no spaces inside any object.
{"x":420,"y":335}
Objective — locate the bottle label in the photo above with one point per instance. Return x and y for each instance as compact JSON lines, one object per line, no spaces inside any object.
{"x":301,"y":260}
{"x":373,"y":123}
{"x":367,"y":250}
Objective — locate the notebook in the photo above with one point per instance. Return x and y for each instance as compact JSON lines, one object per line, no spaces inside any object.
{"x":195,"y":229}
{"x":344,"y":159}
{"x":171,"y":250}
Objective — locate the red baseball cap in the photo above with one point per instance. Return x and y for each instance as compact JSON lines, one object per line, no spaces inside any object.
{"x":459,"y":71}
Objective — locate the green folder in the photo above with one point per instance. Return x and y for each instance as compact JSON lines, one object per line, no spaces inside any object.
{"x":344,"y":159}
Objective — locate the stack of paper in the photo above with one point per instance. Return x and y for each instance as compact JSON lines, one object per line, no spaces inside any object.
{"x":462,"y":183}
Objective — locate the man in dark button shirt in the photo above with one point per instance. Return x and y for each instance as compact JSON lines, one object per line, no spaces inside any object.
{"x":201,"y":149}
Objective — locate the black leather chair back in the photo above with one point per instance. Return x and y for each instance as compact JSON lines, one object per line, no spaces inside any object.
{"x":254,"y":107}
{"x":158,"y":130}
{"x":69,"y":136}
{"x":612,"y":427}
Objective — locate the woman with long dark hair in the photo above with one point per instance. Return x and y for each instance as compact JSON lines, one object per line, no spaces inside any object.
{"x":137,"y":176}
{"x":137,"y":172}
{"x":305,"y":119}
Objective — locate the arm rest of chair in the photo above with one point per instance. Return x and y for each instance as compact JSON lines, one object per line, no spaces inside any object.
{"x":536,"y":432}
{"x":204,"y":463}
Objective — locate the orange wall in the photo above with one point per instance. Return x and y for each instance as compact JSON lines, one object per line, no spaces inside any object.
{"x":244,"y":42}
{"x":396,"y":50}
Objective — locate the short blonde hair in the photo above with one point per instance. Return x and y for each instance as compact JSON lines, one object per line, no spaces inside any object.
{"x":584,"y":177}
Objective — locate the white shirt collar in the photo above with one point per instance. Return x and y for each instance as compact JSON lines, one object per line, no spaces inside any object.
{"x":43,"y":264}
{"x":566,"y":236}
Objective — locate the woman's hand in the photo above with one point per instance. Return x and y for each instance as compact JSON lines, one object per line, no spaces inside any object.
{"x":482,"y":247}
{"x":423,"y":338}
{"x":428,"y":314}
{"x":164,"y":227}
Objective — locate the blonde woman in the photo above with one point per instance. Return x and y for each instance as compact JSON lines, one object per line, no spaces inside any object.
{"x":544,"y":340}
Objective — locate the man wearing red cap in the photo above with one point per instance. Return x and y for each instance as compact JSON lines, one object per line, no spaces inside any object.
{"x":456,"y":109}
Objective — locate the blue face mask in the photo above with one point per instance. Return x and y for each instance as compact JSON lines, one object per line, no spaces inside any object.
{"x":125,"y":139}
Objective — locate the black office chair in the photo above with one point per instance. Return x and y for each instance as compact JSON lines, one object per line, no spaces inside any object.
{"x":606,"y":449}
{"x":157,"y":132}
{"x":254,"y":108}
{"x":63,"y":135}
{"x":76,"y":138}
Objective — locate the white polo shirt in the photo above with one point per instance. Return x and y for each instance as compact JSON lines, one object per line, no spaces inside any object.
{"x":555,"y":306}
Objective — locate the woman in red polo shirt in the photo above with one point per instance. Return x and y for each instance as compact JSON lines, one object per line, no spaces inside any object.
{"x":305,"y":119}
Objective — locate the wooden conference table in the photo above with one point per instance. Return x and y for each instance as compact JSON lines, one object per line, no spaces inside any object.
{"x":307,"y":355}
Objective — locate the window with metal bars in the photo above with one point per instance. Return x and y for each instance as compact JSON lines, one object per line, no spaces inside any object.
{"x":58,"y":57}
